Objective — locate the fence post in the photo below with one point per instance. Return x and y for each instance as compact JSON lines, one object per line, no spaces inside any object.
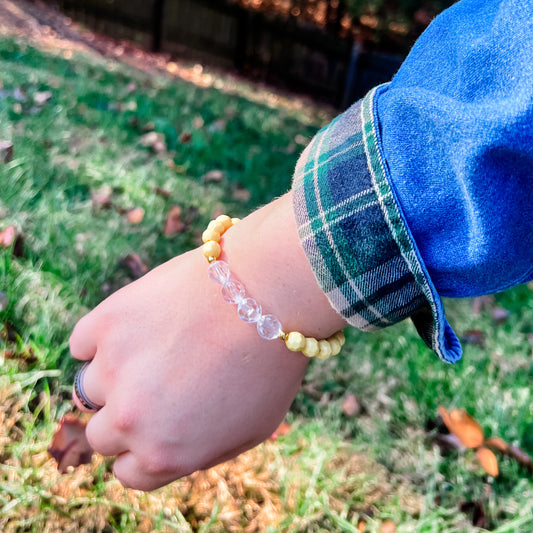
{"x":158,"y":8}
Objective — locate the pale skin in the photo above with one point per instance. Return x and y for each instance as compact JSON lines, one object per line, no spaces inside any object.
{"x":185,"y":384}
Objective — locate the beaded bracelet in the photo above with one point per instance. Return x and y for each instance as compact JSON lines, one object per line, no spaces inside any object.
{"x":234,"y":292}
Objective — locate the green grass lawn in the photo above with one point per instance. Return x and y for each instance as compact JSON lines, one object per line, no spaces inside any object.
{"x":83,"y":145}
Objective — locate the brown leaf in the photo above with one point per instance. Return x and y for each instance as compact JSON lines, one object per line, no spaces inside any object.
{"x":135,"y":216}
{"x":521,"y":456}
{"x":185,"y":137}
{"x":173,"y":223}
{"x":161,"y":191}
{"x":135,"y":265}
{"x":488,"y":460}
{"x":463,"y":426}
{"x":8,"y":236}
{"x":474,"y":337}
{"x":102,"y":198}
{"x":350,"y":405}
{"x":213,"y":176}
{"x":495,"y":443}
{"x":6,"y":151}
{"x":69,"y":445}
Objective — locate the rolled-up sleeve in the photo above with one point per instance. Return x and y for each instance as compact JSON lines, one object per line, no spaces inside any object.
{"x":423,"y":188}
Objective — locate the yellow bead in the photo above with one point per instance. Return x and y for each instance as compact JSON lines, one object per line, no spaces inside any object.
{"x":335,"y":345}
{"x":311,"y":348}
{"x":216,"y":226}
{"x":340,"y":337}
{"x":295,"y":341}
{"x":211,"y":249}
{"x":210,"y":235}
{"x":235,"y":220}
{"x":324,"y":349}
{"x":225,"y":220}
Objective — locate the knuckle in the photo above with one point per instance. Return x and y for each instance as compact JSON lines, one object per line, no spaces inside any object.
{"x":126,"y":419}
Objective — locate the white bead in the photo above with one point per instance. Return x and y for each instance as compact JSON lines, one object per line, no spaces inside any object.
{"x":249,"y":310}
{"x":269,"y":327}
{"x":233,"y":291}
{"x":218,"y":271}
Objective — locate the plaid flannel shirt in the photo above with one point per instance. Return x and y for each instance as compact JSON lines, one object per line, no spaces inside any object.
{"x":424,"y":187}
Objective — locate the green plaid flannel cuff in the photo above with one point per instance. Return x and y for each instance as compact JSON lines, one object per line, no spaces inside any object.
{"x":355,"y":237}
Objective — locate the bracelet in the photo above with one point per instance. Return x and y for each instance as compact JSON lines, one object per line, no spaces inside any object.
{"x":234,"y":292}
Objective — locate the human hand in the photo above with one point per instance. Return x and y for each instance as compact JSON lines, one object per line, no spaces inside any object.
{"x":183,"y":382}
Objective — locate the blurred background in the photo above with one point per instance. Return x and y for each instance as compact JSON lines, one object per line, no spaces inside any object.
{"x":334,"y":50}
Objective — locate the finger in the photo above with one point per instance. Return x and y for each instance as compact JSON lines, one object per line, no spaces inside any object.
{"x":102,"y":436}
{"x":135,"y":475}
{"x":82,"y":341}
{"x":91,"y":384}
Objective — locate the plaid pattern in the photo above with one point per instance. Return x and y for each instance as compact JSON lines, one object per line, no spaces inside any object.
{"x":354,"y":235}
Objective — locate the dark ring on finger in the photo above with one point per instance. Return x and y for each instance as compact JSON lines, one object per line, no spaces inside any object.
{"x":80,"y":392}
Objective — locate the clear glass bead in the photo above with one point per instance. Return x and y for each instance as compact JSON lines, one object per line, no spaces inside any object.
{"x":249,"y":310}
{"x":219,"y":272}
{"x":233,"y":291}
{"x":269,"y":327}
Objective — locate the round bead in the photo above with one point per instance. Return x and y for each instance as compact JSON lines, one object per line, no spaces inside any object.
{"x":295,"y":341}
{"x":225,"y":220}
{"x":311,"y":348}
{"x":249,"y":310}
{"x":219,"y":272}
{"x":233,"y":291}
{"x":325,"y":349}
{"x":235,"y":220}
{"x":340,"y":337}
{"x":269,"y":327}
{"x":210,"y":235}
{"x":211,"y":249}
{"x":335,"y":345}
{"x":216,"y":226}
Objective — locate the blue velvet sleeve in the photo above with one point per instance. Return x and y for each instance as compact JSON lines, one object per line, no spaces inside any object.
{"x":456,"y":130}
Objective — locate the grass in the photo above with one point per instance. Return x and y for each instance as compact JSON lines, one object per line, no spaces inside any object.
{"x":331,"y":471}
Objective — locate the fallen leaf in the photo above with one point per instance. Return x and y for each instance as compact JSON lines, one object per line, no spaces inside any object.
{"x":155,"y":141}
{"x":500,"y":315}
{"x":8,"y":236}
{"x":102,"y":198}
{"x":185,"y":137}
{"x":241,"y":193}
{"x":521,"y":456}
{"x":474,"y":337}
{"x":4,"y":302}
{"x":476,"y":512}
{"x":281,"y":430}
{"x":160,"y":191}
{"x":361,"y":526}
{"x":350,"y":405}
{"x":135,"y":265}
{"x":70,"y":446}
{"x":213,"y":176}
{"x":488,"y":460}
{"x":173,"y":223}
{"x":40,"y":98}
{"x":135,"y":216}
{"x":495,"y":443}
{"x":463,"y":426}
{"x":6,"y":151}
{"x":388,"y":527}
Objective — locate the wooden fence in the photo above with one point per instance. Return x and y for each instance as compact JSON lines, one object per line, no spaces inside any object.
{"x":269,"y":48}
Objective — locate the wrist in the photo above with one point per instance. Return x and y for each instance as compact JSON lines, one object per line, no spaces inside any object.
{"x":264,"y":252}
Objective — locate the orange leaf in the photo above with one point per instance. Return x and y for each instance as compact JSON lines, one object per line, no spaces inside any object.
{"x":488,"y":460}
{"x":495,"y":443}
{"x":463,"y":426}
{"x":135,"y":216}
{"x":388,"y":527}
{"x":70,"y":446}
{"x":282,"y":429}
